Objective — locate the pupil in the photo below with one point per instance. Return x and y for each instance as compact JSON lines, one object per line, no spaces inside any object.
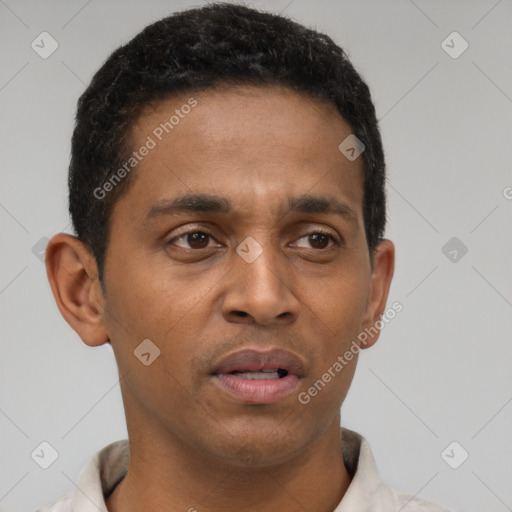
{"x":198,"y":239}
{"x":315,"y":237}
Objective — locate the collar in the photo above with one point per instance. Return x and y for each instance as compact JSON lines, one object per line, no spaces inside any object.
{"x":366,"y":492}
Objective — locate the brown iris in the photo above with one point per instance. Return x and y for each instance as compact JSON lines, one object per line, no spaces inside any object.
{"x":319,"y":239}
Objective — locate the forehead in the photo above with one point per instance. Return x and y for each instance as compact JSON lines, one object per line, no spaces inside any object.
{"x":253,"y":144}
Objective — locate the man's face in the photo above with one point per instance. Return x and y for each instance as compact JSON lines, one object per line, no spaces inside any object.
{"x":185,"y":278}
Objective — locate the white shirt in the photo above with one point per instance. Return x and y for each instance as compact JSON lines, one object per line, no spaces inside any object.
{"x":366,"y":492}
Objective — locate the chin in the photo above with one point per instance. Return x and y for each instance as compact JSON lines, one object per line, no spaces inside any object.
{"x":262,"y":449}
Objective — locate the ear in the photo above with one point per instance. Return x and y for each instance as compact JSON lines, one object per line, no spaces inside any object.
{"x":73,"y":276}
{"x":383,"y":268}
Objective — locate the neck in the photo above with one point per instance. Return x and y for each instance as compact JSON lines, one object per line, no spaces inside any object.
{"x":167,"y":477}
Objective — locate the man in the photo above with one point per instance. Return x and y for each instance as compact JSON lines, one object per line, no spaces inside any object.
{"x":227,"y":192}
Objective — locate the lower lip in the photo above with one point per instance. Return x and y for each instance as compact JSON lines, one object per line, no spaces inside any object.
{"x":262,"y":391}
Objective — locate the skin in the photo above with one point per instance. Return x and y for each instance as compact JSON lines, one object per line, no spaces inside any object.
{"x":191,"y":445}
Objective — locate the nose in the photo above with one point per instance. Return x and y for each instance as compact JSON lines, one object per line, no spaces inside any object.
{"x":260,"y":292}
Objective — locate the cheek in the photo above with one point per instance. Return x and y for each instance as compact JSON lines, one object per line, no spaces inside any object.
{"x":340,"y":303}
{"x":150,"y":299}
{"x":143,"y":306}
{"x":157,"y":303}
{"x":337,"y":311}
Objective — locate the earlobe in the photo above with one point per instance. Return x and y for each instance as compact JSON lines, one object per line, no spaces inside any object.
{"x":383,"y":269}
{"x":73,"y":277}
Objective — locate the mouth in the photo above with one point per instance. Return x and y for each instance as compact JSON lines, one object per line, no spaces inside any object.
{"x":266,"y":373}
{"x":257,"y":377}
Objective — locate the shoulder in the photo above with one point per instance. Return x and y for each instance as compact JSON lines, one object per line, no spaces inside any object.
{"x":103,"y":471}
{"x":367,"y":491}
{"x":412,"y":503}
{"x":62,"y":504}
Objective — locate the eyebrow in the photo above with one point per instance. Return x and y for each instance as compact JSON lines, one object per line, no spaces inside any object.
{"x":207,"y":203}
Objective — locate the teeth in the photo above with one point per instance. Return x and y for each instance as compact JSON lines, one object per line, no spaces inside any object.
{"x":263,"y":374}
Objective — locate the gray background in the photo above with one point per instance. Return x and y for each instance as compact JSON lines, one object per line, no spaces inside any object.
{"x":441,"y":370}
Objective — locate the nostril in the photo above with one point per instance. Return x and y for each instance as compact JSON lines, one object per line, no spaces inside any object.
{"x":241,"y":313}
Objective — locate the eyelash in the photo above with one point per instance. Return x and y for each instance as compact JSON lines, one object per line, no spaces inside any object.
{"x":325,"y":233}
{"x":205,"y":231}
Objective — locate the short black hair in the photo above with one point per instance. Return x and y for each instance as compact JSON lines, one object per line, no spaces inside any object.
{"x":198,"y":49}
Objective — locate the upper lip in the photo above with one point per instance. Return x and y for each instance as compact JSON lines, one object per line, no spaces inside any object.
{"x":255,"y":360}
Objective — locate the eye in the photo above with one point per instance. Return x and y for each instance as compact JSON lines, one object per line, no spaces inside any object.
{"x":317,"y":240}
{"x":192,"y":240}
